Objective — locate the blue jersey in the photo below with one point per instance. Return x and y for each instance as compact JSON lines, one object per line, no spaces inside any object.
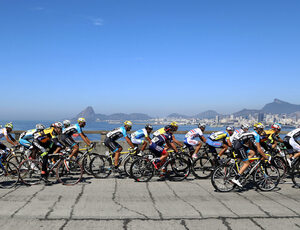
{"x":117,"y":133}
{"x":161,"y":139}
{"x":72,"y":129}
{"x":256,"y":137}
{"x":139,"y":134}
{"x":28,"y":135}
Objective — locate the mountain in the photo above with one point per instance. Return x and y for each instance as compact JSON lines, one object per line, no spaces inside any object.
{"x":90,"y":115}
{"x":246,"y":112}
{"x":280,"y":107}
{"x":177,"y":115}
{"x":207,"y":114}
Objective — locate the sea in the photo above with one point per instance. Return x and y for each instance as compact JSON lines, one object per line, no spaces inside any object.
{"x":94,"y":126}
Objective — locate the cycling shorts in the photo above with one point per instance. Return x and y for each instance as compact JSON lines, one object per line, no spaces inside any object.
{"x":69,"y":141}
{"x":241,"y":150}
{"x":112,"y":145}
{"x":156,"y":149}
{"x":294,"y":144}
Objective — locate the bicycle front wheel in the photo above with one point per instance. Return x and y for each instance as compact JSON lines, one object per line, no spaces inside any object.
{"x":295,"y":174}
{"x":202,"y":167}
{"x":221,"y":178}
{"x":86,"y":162}
{"x":101,"y":166}
{"x":142,"y":170}
{"x":69,"y":172}
{"x":128,"y":162}
{"x":266,"y":177}
{"x":9,"y":175}
{"x":30,"y":172}
{"x":180,"y":169}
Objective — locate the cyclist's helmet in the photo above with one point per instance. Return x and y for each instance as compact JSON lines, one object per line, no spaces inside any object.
{"x":81,"y":120}
{"x":128,"y":123}
{"x":201,"y":125}
{"x":9,"y":125}
{"x":259,"y":126}
{"x":174,"y":124}
{"x":245,"y":126}
{"x":57,"y":125}
{"x":67,"y":123}
{"x":168,"y":128}
{"x":39,"y":127}
{"x":276,"y":126}
{"x":230,"y":128}
{"x":148,"y":126}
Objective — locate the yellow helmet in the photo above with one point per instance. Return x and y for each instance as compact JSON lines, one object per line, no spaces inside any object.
{"x":258,"y":126}
{"x":9,"y":125}
{"x":174,"y":124}
{"x":81,"y":119}
{"x":128,"y":123}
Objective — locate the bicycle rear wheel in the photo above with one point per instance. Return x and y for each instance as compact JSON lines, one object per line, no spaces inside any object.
{"x":142,"y":170}
{"x":221,"y":178}
{"x":202,"y":167}
{"x":30,"y":172}
{"x":69,"y":172}
{"x":86,"y":162}
{"x":295,"y":174}
{"x":281,"y":166}
{"x":266,"y":177}
{"x":128,"y":162}
{"x":101,"y":166}
{"x":178,"y":169}
{"x":9,"y":175}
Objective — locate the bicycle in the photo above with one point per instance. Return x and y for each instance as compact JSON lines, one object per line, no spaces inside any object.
{"x":9,"y":174}
{"x":265,"y":176}
{"x":101,"y":165}
{"x":63,"y":169}
{"x":85,"y":156}
{"x":175,"y":168}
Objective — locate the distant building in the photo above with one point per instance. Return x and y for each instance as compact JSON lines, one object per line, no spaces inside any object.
{"x":260,"y":117}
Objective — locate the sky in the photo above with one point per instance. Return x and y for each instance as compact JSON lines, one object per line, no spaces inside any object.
{"x":155,"y":57}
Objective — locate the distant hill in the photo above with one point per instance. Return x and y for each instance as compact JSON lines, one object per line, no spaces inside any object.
{"x":207,"y":114}
{"x":246,"y":112}
{"x":280,"y":107}
{"x":177,"y":115}
{"x":90,"y":115}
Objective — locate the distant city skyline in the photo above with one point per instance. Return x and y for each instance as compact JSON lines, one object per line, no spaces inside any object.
{"x":153,"y":57}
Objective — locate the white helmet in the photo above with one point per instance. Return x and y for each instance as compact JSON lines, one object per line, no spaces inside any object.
{"x":39,"y":127}
{"x":245,"y":126}
{"x":67,"y":123}
{"x":201,"y":125}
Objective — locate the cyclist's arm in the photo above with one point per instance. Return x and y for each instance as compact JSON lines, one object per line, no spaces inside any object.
{"x":176,"y":141}
{"x":129,"y":142}
{"x":260,"y":151}
{"x":148,"y":139}
{"x":171,"y":145}
{"x":85,"y":138}
{"x":229,"y":142}
{"x":203,"y":139}
{"x":11,"y":140}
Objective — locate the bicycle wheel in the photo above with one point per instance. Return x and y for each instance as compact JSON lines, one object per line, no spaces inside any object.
{"x":30,"y":172}
{"x":221,"y":178}
{"x":69,"y":172}
{"x":266,"y":177}
{"x":128,"y":162}
{"x":101,"y":166}
{"x":16,"y":159}
{"x":142,"y":170}
{"x":295,"y":174}
{"x":202,"y":167}
{"x":281,"y":166}
{"x":86,"y":162}
{"x":9,"y":175}
{"x":178,"y":169}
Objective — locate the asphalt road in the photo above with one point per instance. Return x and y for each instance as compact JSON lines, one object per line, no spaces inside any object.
{"x":114,"y":203}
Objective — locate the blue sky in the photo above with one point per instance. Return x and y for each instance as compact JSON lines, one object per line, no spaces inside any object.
{"x":154,"y":57}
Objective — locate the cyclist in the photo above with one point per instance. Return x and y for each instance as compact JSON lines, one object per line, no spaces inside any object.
{"x":244,"y":147}
{"x":273,"y":135}
{"x":67,"y":133}
{"x":5,"y":132}
{"x":47,"y":139}
{"x":113,"y":136}
{"x":26,"y":137}
{"x":190,"y":141}
{"x":136,"y":137}
{"x":160,"y":143}
{"x":290,"y":141}
{"x":244,"y":128}
{"x":220,"y":139}
{"x":174,"y":126}
{"x":66,"y":123}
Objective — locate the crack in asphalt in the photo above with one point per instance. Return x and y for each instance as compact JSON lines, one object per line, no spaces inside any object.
{"x":259,"y":207}
{"x":288,"y":196}
{"x":73,"y":207}
{"x":257,"y":224}
{"x":28,"y":201}
{"x":216,"y":198}
{"x":51,"y":209}
{"x":153,"y":201}
{"x":176,"y":195}
{"x":9,"y":192}
{"x":182,"y":222}
{"x":125,"y":224}
{"x":123,"y":206}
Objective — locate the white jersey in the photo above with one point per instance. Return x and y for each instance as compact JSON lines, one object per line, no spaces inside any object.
{"x":236,"y":135}
{"x":3,"y":132}
{"x":194,"y":133}
{"x":294,"y":133}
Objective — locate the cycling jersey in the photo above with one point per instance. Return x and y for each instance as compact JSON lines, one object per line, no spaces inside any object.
{"x":191,"y":135}
{"x":26,"y":137}
{"x":72,"y":129}
{"x":117,"y":133}
{"x":162,"y":139}
{"x":294,"y":133}
{"x":136,"y":137}
{"x":271,"y":135}
{"x":257,"y":137}
{"x":236,"y":134}
{"x":46,"y":135}
{"x":3,"y":132}
{"x":159,"y":132}
{"x":220,"y":135}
